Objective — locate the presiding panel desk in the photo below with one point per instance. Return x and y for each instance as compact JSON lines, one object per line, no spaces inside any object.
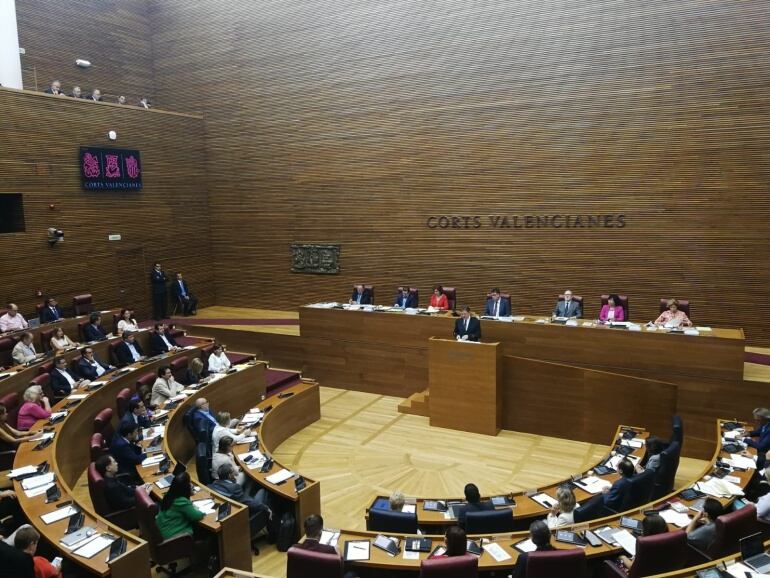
{"x":68,"y":456}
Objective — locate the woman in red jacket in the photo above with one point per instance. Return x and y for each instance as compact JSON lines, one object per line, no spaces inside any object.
{"x":438,"y":300}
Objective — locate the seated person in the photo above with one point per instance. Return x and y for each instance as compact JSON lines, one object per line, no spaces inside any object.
{"x":361,"y":296}
{"x":224,"y":455}
{"x":60,"y":342}
{"x":496,"y":306}
{"x":76,"y":92}
{"x":182,"y":293}
{"x":455,"y":543}
{"x":405,"y":299}
{"x":24,"y":350}
{"x":218,"y":360}
{"x":473,"y":503}
{"x":562,"y":514}
{"x":567,"y":307}
{"x":96,"y":95}
{"x":763,"y":503}
{"x":127,"y":322}
{"x":51,"y":312}
{"x":118,"y":494}
{"x":25,"y":540}
{"x":14,"y":562}
{"x":137,"y":413}
{"x":314,"y":525}
{"x":655,"y":446}
{"x":194,"y":373}
{"x":612,"y":311}
{"x":10,"y":438}
{"x":63,"y":381}
{"x":165,"y":387}
{"x":467,"y":328}
{"x":55,"y":88}
{"x":161,"y":341}
{"x":652,"y":524}
{"x":177,"y":513}
{"x":90,"y":367}
{"x":438,"y":300}
{"x":702,"y":530}
{"x":761,"y":432}
{"x":128,"y":351}
{"x":126,"y":451}
{"x":226,"y":484}
{"x":672,"y":317}
{"x":225,"y":427}
{"x":541,"y":537}
{"x":35,"y":407}
{"x":13,"y":320}
{"x":616,"y":494}
{"x":94,"y":330}
{"x":396,"y":501}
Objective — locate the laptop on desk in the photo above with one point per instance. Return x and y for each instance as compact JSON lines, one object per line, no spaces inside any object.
{"x":753,"y":553}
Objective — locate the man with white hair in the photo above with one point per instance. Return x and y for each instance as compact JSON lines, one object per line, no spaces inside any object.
{"x":567,"y":307}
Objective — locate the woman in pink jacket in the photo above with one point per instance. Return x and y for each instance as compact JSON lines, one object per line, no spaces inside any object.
{"x":613,"y":311}
{"x":35,"y":407}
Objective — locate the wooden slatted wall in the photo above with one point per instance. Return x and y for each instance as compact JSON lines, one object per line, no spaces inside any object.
{"x":166,"y":221}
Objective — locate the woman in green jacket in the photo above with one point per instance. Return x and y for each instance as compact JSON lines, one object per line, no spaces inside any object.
{"x":177,"y":513}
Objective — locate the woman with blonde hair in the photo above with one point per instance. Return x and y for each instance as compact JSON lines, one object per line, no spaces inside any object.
{"x":563,"y":513}
{"x":60,"y":342}
{"x":35,"y":407}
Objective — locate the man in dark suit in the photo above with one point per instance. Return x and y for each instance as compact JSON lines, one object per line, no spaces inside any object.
{"x":94,"y":331}
{"x":119,"y":495}
{"x":158,"y":282}
{"x":96,"y":95}
{"x":161,"y":341}
{"x":496,"y":306}
{"x":126,"y":451}
{"x":615,"y":495}
{"x":405,"y":298}
{"x":541,"y":538}
{"x":76,"y":92}
{"x":259,"y":512}
{"x":314,"y":525}
{"x":567,"y":307}
{"x":55,"y":88}
{"x":474,"y":504}
{"x":762,"y":431}
{"x":182,"y":294}
{"x":136,"y":413}
{"x":63,"y":381}
{"x":467,"y":328}
{"x":15,"y":562}
{"x":361,"y":296}
{"x":89,"y":367}
{"x":128,"y":351}
{"x":51,"y":312}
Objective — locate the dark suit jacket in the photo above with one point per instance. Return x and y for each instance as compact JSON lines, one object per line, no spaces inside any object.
{"x":562,"y":310}
{"x":484,"y":506}
{"x":233,"y":490}
{"x":176,"y":289}
{"x":366,"y":297}
{"x":94,"y":332}
{"x":127,"y":455}
{"x":762,"y":444}
{"x":520,"y":570}
{"x":123,"y":353}
{"x":49,"y":91}
{"x":14,"y":563}
{"x":190,"y":378}
{"x":410,"y":301}
{"x":202,"y":425}
{"x":474,"y":328}
{"x":59,"y":383}
{"x":158,"y":281}
{"x":503,"y":311}
{"x":616,"y":496}
{"x":48,"y":316}
{"x":88,"y":372}
{"x":316,"y":546}
{"x":157,"y":344}
{"x":119,"y":496}
{"x":129,"y":417}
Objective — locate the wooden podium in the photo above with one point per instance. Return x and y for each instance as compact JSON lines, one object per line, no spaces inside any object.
{"x":463,"y":379}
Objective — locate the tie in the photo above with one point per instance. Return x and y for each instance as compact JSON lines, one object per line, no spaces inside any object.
{"x":466,"y":323}
{"x":497,"y":307}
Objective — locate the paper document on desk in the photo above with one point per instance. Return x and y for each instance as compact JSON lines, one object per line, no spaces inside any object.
{"x":736,"y":434}
{"x":57,"y":414}
{"x":39,"y":491}
{"x":680,"y":520}
{"x":8,"y":373}
{"x":357,"y":550}
{"x":614,"y":461}
{"x":525,"y":545}
{"x":739,"y":461}
{"x":189,"y":347}
{"x":719,"y":488}
{"x":58,"y":514}
{"x":280,"y":476}
{"x":152,"y":460}
{"x":246,"y":440}
{"x":496,"y":551}
{"x":740,"y":570}
{"x":702,"y":328}
{"x":409,"y":508}
{"x":545,"y":500}
{"x":330,"y":537}
{"x":154,"y":431}
{"x":75,"y":396}
{"x":257,"y":460}
{"x":37,"y":481}
{"x":91,"y":548}
{"x":159,"y":413}
{"x":206,"y":506}
{"x":593,"y":484}
{"x":626,"y":541}
{"x":632,"y":443}
{"x":22,"y":471}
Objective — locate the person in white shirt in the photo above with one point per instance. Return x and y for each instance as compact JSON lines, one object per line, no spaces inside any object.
{"x":563,"y":513}
{"x":60,"y":342}
{"x":763,"y":503}
{"x":226,"y":427}
{"x":218,"y":360}
{"x":165,"y":387}
{"x":62,"y":380}
{"x":24,"y":351}
{"x":13,"y":320}
{"x":127,"y":322}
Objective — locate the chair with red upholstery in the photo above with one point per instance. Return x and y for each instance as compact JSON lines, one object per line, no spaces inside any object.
{"x":179,"y":367}
{"x":126,"y":519}
{"x":81,"y":330}
{"x":46,"y":367}
{"x":684,"y":306}
{"x":82,"y":304}
{"x":623,"y":303}
{"x":115,"y":321}
{"x":654,"y":555}
{"x":145,"y":381}
{"x":39,"y":311}
{"x":103,"y":424}
{"x":205,"y":352}
{"x":112,"y":354}
{"x":551,"y":563}
{"x":97,"y":446}
{"x":11,"y":403}
{"x":451,"y":297}
{"x":6,"y":351}
{"x":730,"y":528}
{"x":44,"y":381}
{"x":162,"y":552}
{"x":301,"y":563}
{"x":121,"y":401}
{"x":466,"y":566}
{"x":45,"y":338}
{"x":74,"y":365}
{"x":575,"y":298}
